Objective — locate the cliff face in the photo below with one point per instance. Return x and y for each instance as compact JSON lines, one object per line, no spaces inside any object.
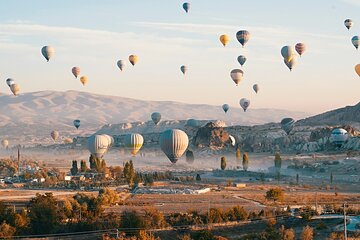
{"x":211,"y":136}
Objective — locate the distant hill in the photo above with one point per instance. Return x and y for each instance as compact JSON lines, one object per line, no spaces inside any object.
{"x":342,"y":116}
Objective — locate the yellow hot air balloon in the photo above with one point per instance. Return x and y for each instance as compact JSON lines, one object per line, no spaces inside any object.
{"x":84,"y":80}
{"x":133,"y":59}
{"x":357,"y":69}
{"x":15,"y":89}
{"x":224,"y":39}
{"x":134,"y":142}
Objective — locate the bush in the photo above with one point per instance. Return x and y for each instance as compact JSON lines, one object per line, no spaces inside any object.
{"x":275,"y":194}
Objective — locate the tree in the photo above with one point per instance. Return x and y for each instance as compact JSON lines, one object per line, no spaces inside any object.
{"x":6,"y":231}
{"x":287,"y":234}
{"x":130,"y":219}
{"x":331,"y":177}
{"x":83,"y":166}
{"x":149,"y":180}
{"x":92,"y":162}
{"x":108,"y":197}
{"x":74,"y":169}
{"x":129,"y":173}
{"x":238,"y":154}
{"x":198,"y":177}
{"x":307,"y":233}
{"x":275,"y":194}
{"x":297,"y":178}
{"x":245,"y":162}
{"x":277,"y":161}
{"x":43,"y":213}
{"x":223,"y":163}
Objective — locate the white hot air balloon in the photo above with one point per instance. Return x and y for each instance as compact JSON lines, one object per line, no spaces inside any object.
{"x":256,"y":88}
{"x":173,"y":143}
{"x":244,"y":103}
{"x":236,"y":75}
{"x":48,"y":52}
{"x":287,"y":52}
{"x":15,"y":88}
{"x":54,"y":135}
{"x":134,"y":142}
{"x":5,"y":143}
{"x":339,"y":136}
{"x":10,"y":81}
{"x":121,"y":64}
{"x":98,"y":145}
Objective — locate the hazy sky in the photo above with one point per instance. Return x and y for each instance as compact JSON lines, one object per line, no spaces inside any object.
{"x":94,"y":34}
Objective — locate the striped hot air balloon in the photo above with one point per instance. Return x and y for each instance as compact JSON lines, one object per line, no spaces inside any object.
{"x":243,"y":37}
{"x":287,"y":124}
{"x":236,"y":75}
{"x":98,"y":145}
{"x":300,"y":48}
{"x":134,"y":142}
{"x":173,"y":143}
{"x":75,"y":71}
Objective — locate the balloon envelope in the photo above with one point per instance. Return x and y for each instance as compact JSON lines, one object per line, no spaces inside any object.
{"x":5,"y":143}
{"x":156,"y":117}
{"x":192,"y":123}
{"x":183,"y":69}
{"x":357,"y":69}
{"x":68,"y":140}
{"x":54,"y":135}
{"x":355,"y":41}
{"x":339,"y":136}
{"x":291,"y":64}
{"x":287,"y":124}
{"x":134,"y":142}
{"x":236,"y":75}
{"x":75,"y":71}
{"x":225,"y":107}
{"x":84,"y":80}
{"x":287,"y":52}
{"x":243,"y":37}
{"x":98,"y":145}
{"x":241,"y":59}
{"x":15,"y":88}
{"x":244,"y":103}
{"x":224,"y":39}
{"x":186,"y":7}
{"x":348,"y":23}
{"x":133,"y":59}
{"x":173,"y":143}
{"x":189,"y":156}
{"x":256,"y":88}
{"x":121,"y":64}
{"x":47,"y":52}
{"x":10,"y":81}
{"x":300,"y":48}
{"x":76,"y":123}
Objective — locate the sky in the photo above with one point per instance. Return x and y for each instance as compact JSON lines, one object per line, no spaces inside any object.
{"x":94,"y":35}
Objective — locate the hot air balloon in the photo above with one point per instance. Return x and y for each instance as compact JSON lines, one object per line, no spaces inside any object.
{"x":192,"y":123}
{"x":173,"y":143}
{"x":232,"y":140}
{"x":47,"y":52}
{"x":241,"y":59}
{"x":10,"y":81}
{"x":357,"y":69}
{"x":224,"y":39}
{"x":189,"y":156}
{"x":290,"y":64}
{"x":156,"y":117}
{"x":244,"y":103}
{"x":186,"y":7}
{"x":68,"y":141}
{"x":339,"y":136}
{"x":15,"y":88}
{"x":5,"y":143}
{"x":287,"y":124}
{"x":98,"y":145}
{"x":183,"y":69}
{"x":76,"y":123}
{"x":84,"y":80}
{"x":133,"y":59}
{"x":225,"y":107}
{"x":110,"y":141}
{"x":54,"y":135}
{"x":288,"y":53}
{"x":75,"y":71}
{"x":300,"y":48}
{"x":348,"y":23}
{"x":256,"y":88}
{"x":236,"y":75}
{"x":243,"y":37}
{"x":121,"y":64}
{"x":134,"y":142}
{"x":355,"y":41}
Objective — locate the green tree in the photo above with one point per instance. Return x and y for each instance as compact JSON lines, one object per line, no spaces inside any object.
{"x":149,"y":180}
{"x":297,"y":178}
{"x":245,"y":162}
{"x":277,"y":161}
{"x":223,"y":163}
{"x":275,"y":194}
{"x":43,"y":213}
{"x":331,"y":177}
{"x":74,"y":169}
{"x":83,"y":166}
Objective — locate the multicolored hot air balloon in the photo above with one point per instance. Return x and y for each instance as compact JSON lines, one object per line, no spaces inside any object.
{"x":54,"y":135}
{"x":241,"y":59}
{"x":189,"y":156}
{"x":76,"y":123}
{"x":339,"y":136}
{"x":300,"y":48}
{"x":98,"y":145}
{"x":10,"y":81}
{"x":183,"y":69}
{"x":357,"y":69}
{"x":5,"y":143}
{"x":134,"y":142}
{"x":84,"y":80}
{"x":75,"y":71}
{"x":121,"y":64}
{"x":287,"y":52}
{"x":355,"y":41}
{"x":186,"y":7}
{"x":224,"y":39}
{"x":244,"y":103}
{"x":133,"y":59}
{"x":287,"y":124}
{"x":225,"y":107}
{"x":256,"y":88}
{"x":47,"y":52}
{"x":173,"y":143}
{"x":236,"y":75}
{"x":291,"y":64}
{"x":156,"y":117}
{"x":15,"y":88}
{"x":243,"y":37}
{"x":348,"y":23}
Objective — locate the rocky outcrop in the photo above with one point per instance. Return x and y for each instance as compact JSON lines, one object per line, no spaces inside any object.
{"x":212,"y":136}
